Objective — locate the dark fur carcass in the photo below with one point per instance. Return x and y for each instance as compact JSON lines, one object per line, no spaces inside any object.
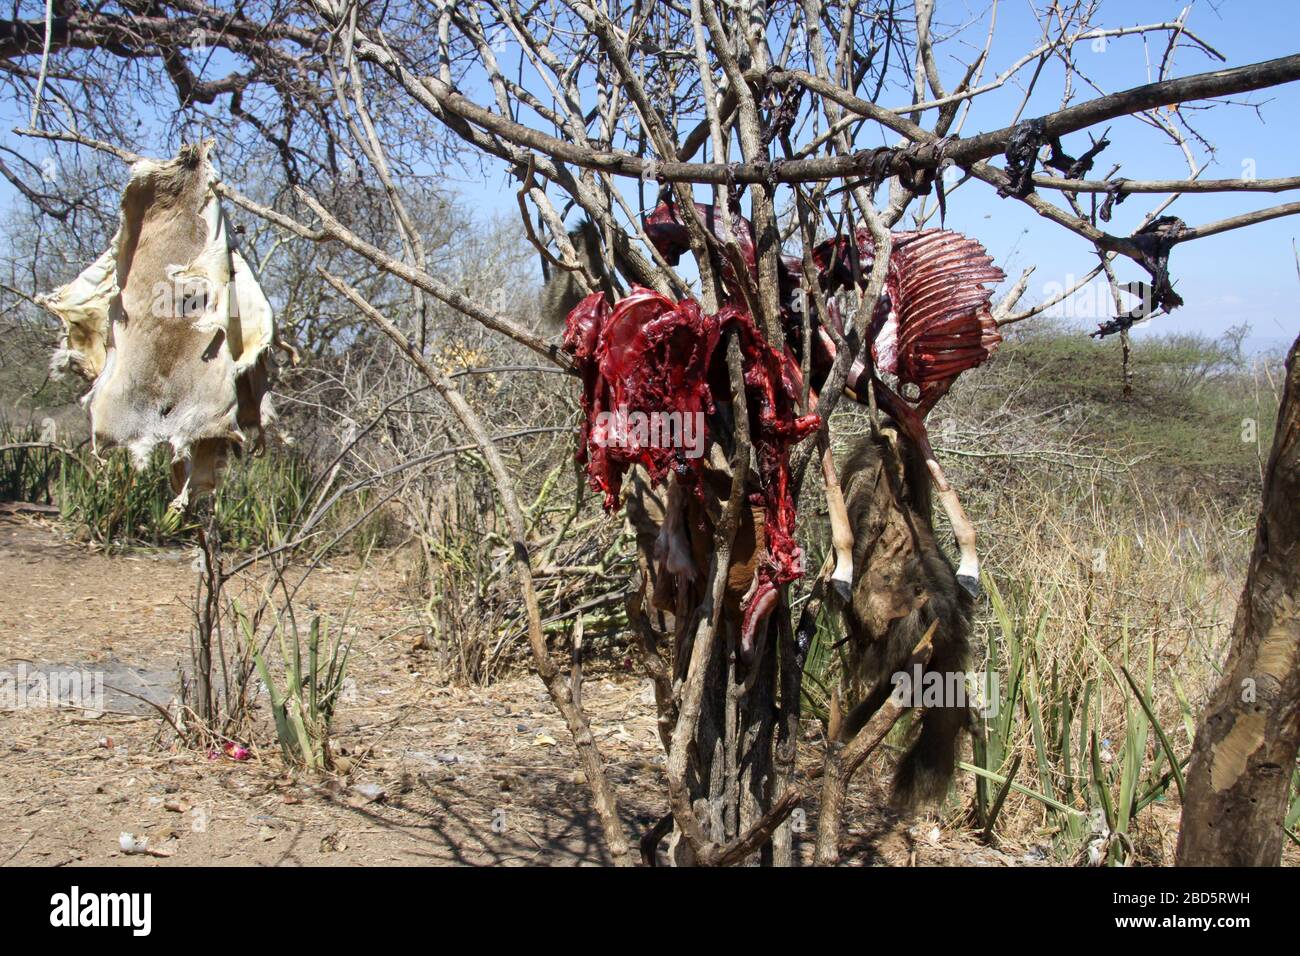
{"x":903,"y":584}
{"x":564,"y":289}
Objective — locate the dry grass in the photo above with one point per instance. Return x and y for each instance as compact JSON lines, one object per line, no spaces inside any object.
{"x":1092,"y":582}
{"x":1115,"y":534}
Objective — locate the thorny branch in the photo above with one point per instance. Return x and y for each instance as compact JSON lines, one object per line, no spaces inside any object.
{"x":609,"y":108}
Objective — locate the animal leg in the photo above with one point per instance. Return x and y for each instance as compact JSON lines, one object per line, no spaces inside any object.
{"x":841,"y":530}
{"x":672,"y":548}
{"x":968,"y":570}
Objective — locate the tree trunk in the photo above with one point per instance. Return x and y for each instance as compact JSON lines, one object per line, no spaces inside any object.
{"x":1245,"y":751}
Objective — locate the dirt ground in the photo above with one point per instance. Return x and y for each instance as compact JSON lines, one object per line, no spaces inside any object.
{"x":441,"y":775}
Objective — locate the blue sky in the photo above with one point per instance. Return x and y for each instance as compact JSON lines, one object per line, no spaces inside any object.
{"x":1243,"y":276}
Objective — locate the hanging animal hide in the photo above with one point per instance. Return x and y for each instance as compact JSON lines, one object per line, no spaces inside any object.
{"x":171,"y":328}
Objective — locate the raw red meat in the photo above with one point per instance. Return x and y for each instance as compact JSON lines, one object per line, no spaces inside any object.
{"x":650,"y":355}
{"x":932,"y":323}
{"x":647,"y":356}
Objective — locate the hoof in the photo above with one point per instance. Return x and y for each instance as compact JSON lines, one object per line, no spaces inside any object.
{"x":842,"y":590}
{"x":972,"y":585}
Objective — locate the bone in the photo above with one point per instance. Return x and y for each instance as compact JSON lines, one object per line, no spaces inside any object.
{"x":841,"y":530}
{"x":759,"y":604}
{"x":858,"y":380}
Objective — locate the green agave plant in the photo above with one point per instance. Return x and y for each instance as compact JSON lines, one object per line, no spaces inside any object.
{"x":1092,"y":791}
{"x":303,"y":704}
